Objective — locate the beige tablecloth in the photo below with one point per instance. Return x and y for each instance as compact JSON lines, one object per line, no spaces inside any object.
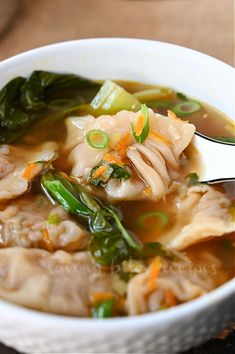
{"x":205,"y":25}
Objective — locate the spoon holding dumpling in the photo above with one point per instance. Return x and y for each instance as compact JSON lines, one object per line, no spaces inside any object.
{"x":218,"y":159}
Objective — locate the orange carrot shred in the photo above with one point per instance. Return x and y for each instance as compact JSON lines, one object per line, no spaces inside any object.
{"x":122,"y":145}
{"x":170,"y":299}
{"x":47,"y":240}
{"x":112,"y":159}
{"x":139,"y":125}
{"x":29,"y":172}
{"x":155,"y":267}
{"x":172,"y":115}
{"x":99,"y":172}
{"x":160,"y":137}
{"x":97,"y":297}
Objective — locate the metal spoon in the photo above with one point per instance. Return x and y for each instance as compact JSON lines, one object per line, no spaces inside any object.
{"x":218,"y":159}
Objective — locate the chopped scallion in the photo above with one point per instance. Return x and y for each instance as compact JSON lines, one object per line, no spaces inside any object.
{"x":193,"y":178}
{"x":97,"y":139}
{"x":186,"y":108}
{"x":143,"y":219}
{"x":141,"y":130}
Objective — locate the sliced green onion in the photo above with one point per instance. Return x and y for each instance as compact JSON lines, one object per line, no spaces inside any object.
{"x":112,"y":171}
{"x":103,"y":309}
{"x":159,"y":215}
{"x":226,"y":139}
{"x":54,"y":219}
{"x":141,"y":134}
{"x":97,"y":139}
{"x":193,"y":179}
{"x":186,"y":108}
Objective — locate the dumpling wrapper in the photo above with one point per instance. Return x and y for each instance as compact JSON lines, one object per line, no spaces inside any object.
{"x":58,"y":282}
{"x":201,"y":213}
{"x":25,"y":222}
{"x":153,"y":160}
{"x":13,"y":183}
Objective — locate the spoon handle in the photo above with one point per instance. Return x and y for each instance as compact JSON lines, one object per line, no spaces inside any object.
{"x":218,"y":159}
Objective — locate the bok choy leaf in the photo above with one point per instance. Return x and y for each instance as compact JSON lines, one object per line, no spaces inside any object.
{"x":103,"y":221}
{"x":23,"y":101}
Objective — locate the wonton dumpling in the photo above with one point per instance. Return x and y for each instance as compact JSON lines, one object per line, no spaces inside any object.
{"x":181,"y":279}
{"x":57,"y":282}
{"x":200,"y":213}
{"x":154,"y":160}
{"x":24,"y":223}
{"x":13,"y":162}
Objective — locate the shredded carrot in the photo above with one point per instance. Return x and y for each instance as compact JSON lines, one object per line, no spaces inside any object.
{"x":47,"y":240}
{"x":155,"y":267}
{"x":170,"y":299}
{"x":147,"y":191}
{"x":99,"y":172}
{"x":139,"y":125}
{"x":29,"y":172}
{"x":172,"y":115}
{"x":97,"y":297}
{"x":160,"y":137}
{"x":113,"y":159}
{"x":122,"y":144}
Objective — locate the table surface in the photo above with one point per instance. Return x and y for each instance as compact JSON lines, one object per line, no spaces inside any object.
{"x":204,"y":25}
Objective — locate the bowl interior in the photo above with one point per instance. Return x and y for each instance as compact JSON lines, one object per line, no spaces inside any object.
{"x":191,"y":72}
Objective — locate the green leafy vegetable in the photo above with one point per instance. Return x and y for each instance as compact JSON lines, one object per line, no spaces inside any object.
{"x":45,"y":89}
{"x":112,"y":98}
{"x":111,"y":170}
{"x":108,"y":249}
{"x":185,"y":108}
{"x":141,"y":130}
{"x":100,"y":218}
{"x":226,"y":139}
{"x":181,"y":96}
{"x":23,"y":101}
{"x":97,"y":139}
{"x":142,"y":220}
{"x":193,"y":178}
{"x":103,"y":309}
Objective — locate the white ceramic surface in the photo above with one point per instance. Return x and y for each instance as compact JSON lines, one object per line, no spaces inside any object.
{"x":171,"y":330}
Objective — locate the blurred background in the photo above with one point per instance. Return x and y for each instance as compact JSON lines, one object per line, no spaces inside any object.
{"x":205,"y":25}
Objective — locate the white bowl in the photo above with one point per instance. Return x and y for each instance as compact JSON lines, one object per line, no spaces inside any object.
{"x":169,"y":331}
